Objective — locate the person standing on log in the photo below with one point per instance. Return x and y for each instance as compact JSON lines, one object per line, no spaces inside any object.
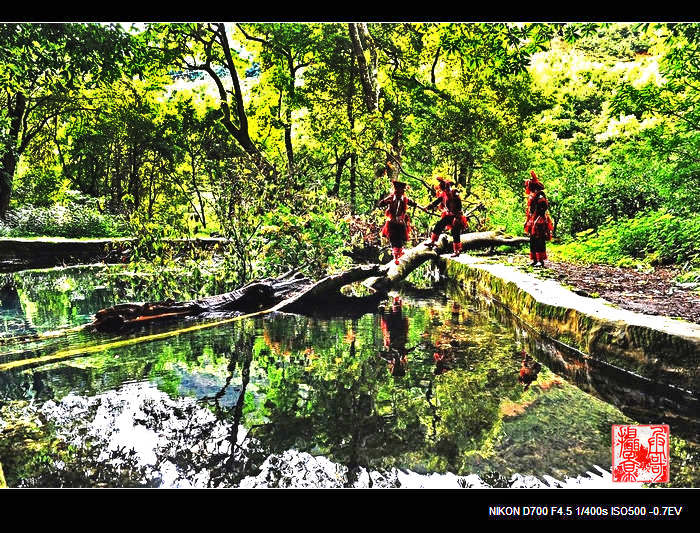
{"x":398,"y":225}
{"x":538,"y":224}
{"x":452,"y":218}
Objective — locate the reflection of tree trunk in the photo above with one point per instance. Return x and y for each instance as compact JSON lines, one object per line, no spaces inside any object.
{"x":238,"y":410}
{"x":356,"y":443}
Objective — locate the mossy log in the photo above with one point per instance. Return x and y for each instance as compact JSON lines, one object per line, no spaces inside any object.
{"x":293,"y":292}
{"x":257,"y":295}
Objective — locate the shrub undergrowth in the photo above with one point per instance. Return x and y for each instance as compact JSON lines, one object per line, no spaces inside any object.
{"x":72,"y":221}
{"x":654,"y":237}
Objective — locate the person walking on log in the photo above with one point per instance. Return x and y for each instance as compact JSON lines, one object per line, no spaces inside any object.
{"x":538,"y":224}
{"x":452,"y":218}
{"x":398,"y":225}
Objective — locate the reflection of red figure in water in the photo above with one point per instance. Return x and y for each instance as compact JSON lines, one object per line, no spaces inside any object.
{"x":529,"y":370}
{"x":455,"y":311}
{"x":395,"y":332}
{"x":441,"y":363}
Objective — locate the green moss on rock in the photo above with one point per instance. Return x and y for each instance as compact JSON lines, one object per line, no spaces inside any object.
{"x":645,"y":345}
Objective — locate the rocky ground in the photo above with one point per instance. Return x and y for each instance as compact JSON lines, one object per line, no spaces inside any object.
{"x":653,"y":291}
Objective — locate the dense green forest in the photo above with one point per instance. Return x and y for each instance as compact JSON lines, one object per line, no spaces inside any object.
{"x":273,"y":135}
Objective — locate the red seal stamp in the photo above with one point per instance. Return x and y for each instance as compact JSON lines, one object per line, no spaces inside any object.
{"x":640,"y":454}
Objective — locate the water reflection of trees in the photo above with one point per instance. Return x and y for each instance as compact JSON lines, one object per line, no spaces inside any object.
{"x":59,"y":297}
{"x":328,"y":392}
{"x":226,"y":457}
{"x":317,"y":386}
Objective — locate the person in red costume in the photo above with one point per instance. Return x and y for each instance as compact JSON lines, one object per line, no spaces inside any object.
{"x":538,"y":224}
{"x":452,"y":217}
{"x":398,"y":225}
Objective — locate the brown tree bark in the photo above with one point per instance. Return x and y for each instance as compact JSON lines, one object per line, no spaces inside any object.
{"x":9,"y":159}
{"x":369,"y":85}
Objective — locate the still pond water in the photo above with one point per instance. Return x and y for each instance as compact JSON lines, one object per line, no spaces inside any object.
{"x":422,"y":392}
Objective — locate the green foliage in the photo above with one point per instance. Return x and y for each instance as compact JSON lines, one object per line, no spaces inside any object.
{"x":34,"y":455}
{"x":657,"y":237}
{"x":622,"y":41}
{"x":72,"y":220}
{"x":605,"y":113}
{"x":684,"y":464}
{"x":314,"y":240}
{"x":615,"y":199}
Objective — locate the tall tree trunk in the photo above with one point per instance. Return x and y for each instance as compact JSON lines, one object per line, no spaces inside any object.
{"x":10,"y":158}
{"x":288,"y":121}
{"x":116,"y":186}
{"x":240,"y":133}
{"x":7,"y":172}
{"x":396,"y":151}
{"x":367,"y":78}
{"x":353,"y":182}
{"x":133,"y":186}
{"x":289,"y":149}
{"x":465,"y":172}
{"x":61,"y":157}
{"x":340,"y":165}
{"x":202,"y":216}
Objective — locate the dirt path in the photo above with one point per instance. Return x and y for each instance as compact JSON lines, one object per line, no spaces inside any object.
{"x":652,"y":293}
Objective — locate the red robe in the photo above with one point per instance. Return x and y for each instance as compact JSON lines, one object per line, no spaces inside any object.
{"x":397,"y":207}
{"x":451,"y":205}
{"x":539,"y":223}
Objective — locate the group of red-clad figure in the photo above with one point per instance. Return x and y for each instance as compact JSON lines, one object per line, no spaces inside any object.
{"x":397,"y":229}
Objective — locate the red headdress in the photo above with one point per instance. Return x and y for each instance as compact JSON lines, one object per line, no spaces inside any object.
{"x":398,"y":185}
{"x":533,"y":184}
{"x":442,"y":184}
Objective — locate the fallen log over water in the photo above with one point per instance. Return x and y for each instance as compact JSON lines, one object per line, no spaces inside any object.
{"x":254,"y":296}
{"x":391,"y":274}
{"x":293,"y":292}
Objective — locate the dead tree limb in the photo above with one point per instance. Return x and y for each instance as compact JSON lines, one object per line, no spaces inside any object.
{"x":292,"y":292}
